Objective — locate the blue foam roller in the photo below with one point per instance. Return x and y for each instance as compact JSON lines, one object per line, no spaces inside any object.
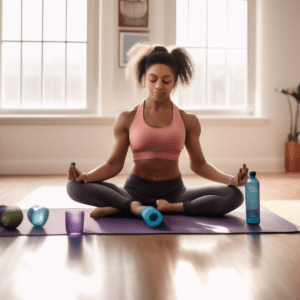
{"x":38,"y":215}
{"x":151,"y":216}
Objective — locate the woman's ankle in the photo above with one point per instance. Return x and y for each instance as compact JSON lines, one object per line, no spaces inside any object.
{"x":103,"y":211}
{"x":136,"y":208}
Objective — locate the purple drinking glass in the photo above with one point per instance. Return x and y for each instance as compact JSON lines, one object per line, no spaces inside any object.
{"x":74,"y":222}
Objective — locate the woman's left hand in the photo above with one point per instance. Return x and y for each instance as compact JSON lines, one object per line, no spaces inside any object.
{"x":241,"y":178}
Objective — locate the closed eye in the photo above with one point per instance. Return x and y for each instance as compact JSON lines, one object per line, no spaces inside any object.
{"x":163,"y":82}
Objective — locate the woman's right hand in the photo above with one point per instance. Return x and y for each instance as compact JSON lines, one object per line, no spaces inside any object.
{"x":75,"y":174}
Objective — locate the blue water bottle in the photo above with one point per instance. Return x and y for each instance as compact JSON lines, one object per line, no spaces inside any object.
{"x":252,"y":199}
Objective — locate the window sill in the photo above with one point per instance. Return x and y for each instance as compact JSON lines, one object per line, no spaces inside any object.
{"x":97,"y":120}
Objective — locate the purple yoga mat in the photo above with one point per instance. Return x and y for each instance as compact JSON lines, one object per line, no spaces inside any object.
{"x":122,"y":223}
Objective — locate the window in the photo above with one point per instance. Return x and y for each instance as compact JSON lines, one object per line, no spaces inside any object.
{"x":219,"y":35}
{"x":48,"y":56}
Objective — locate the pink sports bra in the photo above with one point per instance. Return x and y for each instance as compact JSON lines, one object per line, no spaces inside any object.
{"x":149,"y":142}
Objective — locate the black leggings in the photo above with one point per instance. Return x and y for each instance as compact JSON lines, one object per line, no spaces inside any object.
{"x":210,"y":200}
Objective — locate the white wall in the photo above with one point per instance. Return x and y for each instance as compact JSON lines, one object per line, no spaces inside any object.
{"x":227,"y":144}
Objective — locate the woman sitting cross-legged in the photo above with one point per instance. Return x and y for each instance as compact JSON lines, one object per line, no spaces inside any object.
{"x":157,"y":130}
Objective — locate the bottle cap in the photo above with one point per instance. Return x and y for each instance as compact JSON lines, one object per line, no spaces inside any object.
{"x":252,"y":174}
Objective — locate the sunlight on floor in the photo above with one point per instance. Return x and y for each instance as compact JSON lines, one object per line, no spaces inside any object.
{"x":70,"y":281}
{"x":50,"y":197}
{"x":288,"y":209}
{"x":220,"y":283}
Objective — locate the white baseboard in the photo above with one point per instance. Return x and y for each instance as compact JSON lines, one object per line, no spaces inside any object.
{"x":60,"y":167}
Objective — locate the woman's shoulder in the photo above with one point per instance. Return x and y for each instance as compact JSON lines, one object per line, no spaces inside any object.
{"x":189,"y":119}
{"x":129,"y":115}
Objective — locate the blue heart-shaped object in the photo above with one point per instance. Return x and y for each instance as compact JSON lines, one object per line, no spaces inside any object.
{"x":38,"y":215}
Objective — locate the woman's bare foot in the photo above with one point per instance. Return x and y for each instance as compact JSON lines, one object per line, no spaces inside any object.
{"x":166,"y":206}
{"x":103,"y":211}
{"x":136,"y":208}
{"x":162,"y":205}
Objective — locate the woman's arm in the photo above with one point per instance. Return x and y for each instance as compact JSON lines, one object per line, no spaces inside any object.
{"x":115,"y":163}
{"x":103,"y":172}
{"x":210,"y":172}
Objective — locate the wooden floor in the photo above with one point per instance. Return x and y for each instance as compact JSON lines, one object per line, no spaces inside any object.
{"x":265,"y":266}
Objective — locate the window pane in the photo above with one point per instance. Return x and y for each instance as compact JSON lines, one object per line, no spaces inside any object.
{"x":76,"y":75}
{"x":198,"y":90}
{"x":194,"y":96}
{"x":216,"y":77}
{"x":31,"y":75}
{"x":10,"y":72}
{"x":77,"y":21}
{"x":237,"y":76}
{"x":54,"y":20}
{"x":221,"y":77}
{"x":182,"y":23}
{"x":11,"y":18}
{"x":197,"y":23}
{"x":32,"y":20}
{"x":217,"y":23}
{"x":54,"y":75}
{"x":237,"y":24}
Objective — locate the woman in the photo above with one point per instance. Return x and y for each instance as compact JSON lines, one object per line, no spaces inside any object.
{"x":157,"y":130}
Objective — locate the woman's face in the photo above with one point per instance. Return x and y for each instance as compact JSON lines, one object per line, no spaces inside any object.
{"x":159,"y":81}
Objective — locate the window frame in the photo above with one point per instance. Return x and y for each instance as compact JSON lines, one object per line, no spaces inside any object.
{"x":91,"y":64}
{"x":94,"y":84}
{"x":251,"y":74}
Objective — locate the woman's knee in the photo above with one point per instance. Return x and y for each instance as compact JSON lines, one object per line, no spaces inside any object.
{"x":235,"y":200}
{"x":73,"y":188}
{"x":238,"y":196}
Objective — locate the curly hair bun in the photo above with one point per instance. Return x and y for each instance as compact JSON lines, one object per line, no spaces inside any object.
{"x":160,"y":49}
{"x":138,"y":55}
